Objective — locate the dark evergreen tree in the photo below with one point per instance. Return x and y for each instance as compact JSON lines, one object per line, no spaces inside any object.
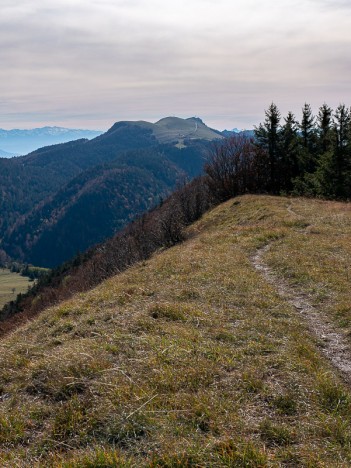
{"x":342,"y":150}
{"x":307,"y":126}
{"x":308,"y":140}
{"x":268,"y":137}
{"x":323,"y":178}
{"x":289,"y":151}
{"x":347,"y":182}
{"x":324,"y":128}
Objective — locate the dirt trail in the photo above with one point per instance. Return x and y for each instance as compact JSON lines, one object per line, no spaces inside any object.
{"x":291,"y":211}
{"x":333,"y":342}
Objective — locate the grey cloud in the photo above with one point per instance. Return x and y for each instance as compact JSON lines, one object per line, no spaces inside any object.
{"x":103,"y":60}
{"x":334,"y":3}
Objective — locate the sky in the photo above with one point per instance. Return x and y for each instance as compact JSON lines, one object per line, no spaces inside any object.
{"x":90,"y":63}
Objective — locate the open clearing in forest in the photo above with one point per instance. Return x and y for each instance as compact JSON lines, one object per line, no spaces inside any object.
{"x":11,"y":284}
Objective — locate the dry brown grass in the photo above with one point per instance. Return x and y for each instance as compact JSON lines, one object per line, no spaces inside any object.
{"x":190,"y":359}
{"x":316,"y":255}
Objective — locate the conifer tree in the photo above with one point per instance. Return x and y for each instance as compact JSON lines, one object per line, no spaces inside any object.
{"x":324,"y":128}
{"x":341,"y":126}
{"x":342,"y":149}
{"x":347,"y":182}
{"x":268,"y":137}
{"x":308,"y":140}
{"x":307,"y":125}
{"x":289,"y":150}
{"x":324,"y":175}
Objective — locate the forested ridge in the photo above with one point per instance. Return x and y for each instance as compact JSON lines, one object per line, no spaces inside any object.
{"x":28,"y":180}
{"x":93,"y":206}
{"x":62,"y":199}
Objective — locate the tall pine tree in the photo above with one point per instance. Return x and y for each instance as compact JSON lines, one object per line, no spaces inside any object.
{"x":268,"y":137}
{"x":324,"y":128}
{"x":308,"y":140}
{"x":342,"y":149}
{"x":289,"y":150}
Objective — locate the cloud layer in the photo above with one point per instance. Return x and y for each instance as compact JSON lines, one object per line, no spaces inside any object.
{"x":90,"y":63}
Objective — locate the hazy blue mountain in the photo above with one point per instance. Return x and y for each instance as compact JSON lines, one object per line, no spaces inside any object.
{"x":236,"y":131}
{"x":5,"y":154}
{"x":18,"y":141}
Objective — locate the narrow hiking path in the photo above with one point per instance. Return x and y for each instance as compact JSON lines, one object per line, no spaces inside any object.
{"x":332,"y":341}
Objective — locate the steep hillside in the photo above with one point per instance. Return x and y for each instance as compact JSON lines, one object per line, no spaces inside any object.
{"x":158,"y":228}
{"x":195,"y":357}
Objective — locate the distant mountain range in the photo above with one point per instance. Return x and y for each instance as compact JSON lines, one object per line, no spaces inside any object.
{"x":16,"y":142}
{"x":64,"y":198}
{"x":170,"y":129}
{"x":5,"y":154}
{"x":236,"y":131}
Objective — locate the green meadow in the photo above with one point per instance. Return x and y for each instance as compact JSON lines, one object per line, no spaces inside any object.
{"x":11,"y":284}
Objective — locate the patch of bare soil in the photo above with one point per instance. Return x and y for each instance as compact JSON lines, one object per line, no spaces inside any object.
{"x":333,"y":342}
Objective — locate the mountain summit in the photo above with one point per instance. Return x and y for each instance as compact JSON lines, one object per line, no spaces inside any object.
{"x":174,"y":130}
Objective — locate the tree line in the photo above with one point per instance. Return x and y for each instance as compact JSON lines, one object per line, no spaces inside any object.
{"x":311,"y":157}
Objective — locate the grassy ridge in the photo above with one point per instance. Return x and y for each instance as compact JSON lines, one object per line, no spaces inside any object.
{"x":188,"y":359}
{"x":11,"y":284}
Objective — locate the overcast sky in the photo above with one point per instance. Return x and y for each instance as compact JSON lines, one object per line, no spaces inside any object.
{"x":89,"y":63}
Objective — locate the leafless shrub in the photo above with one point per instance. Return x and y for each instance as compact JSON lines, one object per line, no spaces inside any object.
{"x":235,"y":167}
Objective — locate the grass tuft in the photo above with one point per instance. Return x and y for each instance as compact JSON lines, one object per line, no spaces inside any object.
{"x":167,"y":312}
{"x":332,"y":395}
{"x":285,"y":404}
{"x":241,"y":455}
{"x":275,"y":434}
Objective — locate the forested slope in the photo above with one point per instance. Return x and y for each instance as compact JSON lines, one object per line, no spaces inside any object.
{"x":92,"y":207}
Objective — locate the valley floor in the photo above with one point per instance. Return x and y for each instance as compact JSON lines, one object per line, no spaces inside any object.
{"x":195,"y":358}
